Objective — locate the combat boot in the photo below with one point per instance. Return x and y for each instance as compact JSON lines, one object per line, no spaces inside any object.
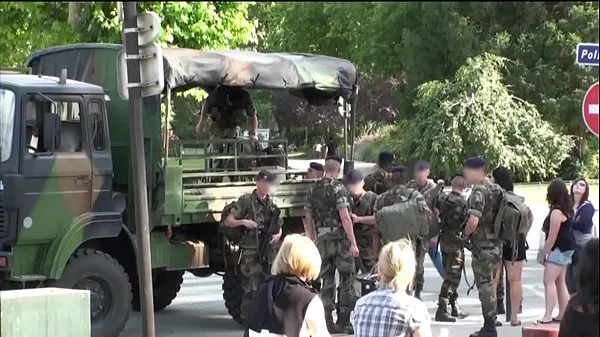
{"x":488,"y":329}
{"x":456,"y":312}
{"x":332,"y":327}
{"x":500,"y":309}
{"x":441,"y":315}
{"x":343,"y":323}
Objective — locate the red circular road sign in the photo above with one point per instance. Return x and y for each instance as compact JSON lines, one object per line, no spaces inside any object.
{"x":590,"y":108}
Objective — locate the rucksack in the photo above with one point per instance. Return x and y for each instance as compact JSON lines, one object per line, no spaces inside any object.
{"x":431,"y":195}
{"x":513,"y":219}
{"x":405,"y":219}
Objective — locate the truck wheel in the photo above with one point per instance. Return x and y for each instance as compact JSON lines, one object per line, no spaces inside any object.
{"x":165,"y":286}
{"x":232,"y":294}
{"x":110,"y":290}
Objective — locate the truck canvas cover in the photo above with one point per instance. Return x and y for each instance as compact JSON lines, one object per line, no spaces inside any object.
{"x":316,"y":78}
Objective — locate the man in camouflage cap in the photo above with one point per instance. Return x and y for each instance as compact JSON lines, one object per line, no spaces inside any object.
{"x":253,"y":213}
{"x":398,"y":192}
{"x":327,"y":221}
{"x":482,"y":207}
{"x":315,"y":171}
{"x":228,"y":108}
{"x":367,"y":236}
{"x":452,"y":207}
{"x":380,"y":180}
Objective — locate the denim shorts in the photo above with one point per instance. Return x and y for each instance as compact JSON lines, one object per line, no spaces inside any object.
{"x":563,"y":259}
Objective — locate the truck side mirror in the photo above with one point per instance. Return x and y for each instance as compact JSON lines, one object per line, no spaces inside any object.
{"x":51,"y":131}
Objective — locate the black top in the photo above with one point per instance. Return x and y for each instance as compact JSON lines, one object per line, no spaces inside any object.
{"x":565,"y":239}
{"x":280,"y":304}
{"x":331,"y":148}
{"x":578,"y":324}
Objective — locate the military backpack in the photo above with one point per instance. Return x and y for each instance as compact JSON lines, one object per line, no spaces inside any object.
{"x":513,"y":220}
{"x":405,"y":219}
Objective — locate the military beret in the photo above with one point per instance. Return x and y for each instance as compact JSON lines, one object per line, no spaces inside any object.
{"x":475,"y":163}
{"x":399,"y":169}
{"x":386,"y":156}
{"x":315,"y":166}
{"x":354,"y":176}
{"x":422,"y":165}
{"x":336,"y":158}
{"x":457,"y":174}
{"x":265,"y":176}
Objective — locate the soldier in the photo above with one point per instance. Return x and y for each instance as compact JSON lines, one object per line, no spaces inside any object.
{"x":421,"y":182}
{"x":379,"y":181}
{"x":315,"y":171}
{"x":252,"y":213}
{"x":399,"y":191}
{"x":482,"y":207}
{"x":327,"y":221}
{"x":452,"y":207}
{"x":367,"y":236}
{"x":228,"y":108}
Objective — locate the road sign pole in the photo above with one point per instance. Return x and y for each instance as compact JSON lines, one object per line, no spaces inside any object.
{"x":138,"y":163}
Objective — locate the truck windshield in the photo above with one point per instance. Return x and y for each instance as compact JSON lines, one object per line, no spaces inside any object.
{"x":7,"y":121}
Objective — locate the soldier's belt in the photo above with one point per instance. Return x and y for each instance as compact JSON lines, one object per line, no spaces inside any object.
{"x":324,"y":230}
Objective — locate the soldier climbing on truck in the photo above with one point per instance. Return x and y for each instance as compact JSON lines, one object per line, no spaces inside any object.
{"x":66,"y":207}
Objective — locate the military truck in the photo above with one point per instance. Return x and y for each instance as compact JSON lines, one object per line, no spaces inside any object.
{"x":66,"y":210}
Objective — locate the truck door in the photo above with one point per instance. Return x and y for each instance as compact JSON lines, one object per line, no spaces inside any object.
{"x":57,"y":183}
{"x":102,"y":169}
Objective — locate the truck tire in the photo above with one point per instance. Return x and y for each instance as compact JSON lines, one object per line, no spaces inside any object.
{"x":165,"y":286}
{"x":109,"y":286}
{"x":232,"y":294}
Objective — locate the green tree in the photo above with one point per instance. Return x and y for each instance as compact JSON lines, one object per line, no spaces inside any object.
{"x":476,"y":114}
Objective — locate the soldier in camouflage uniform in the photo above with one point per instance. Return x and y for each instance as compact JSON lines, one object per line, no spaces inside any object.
{"x":315,"y":171}
{"x":452,"y":207}
{"x":253,"y":212}
{"x":367,"y":236}
{"x":380,"y":180}
{"x":228,"y":108}
{"x":327,"y":221}
{"x":482,"y":207}
{"x":421,"y":182}
{"x":397,"y":192}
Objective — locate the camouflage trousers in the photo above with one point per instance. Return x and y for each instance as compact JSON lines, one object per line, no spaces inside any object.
{"x":453,"y":264}
{"x":420,"y":249}
{"x":500,"y":286}
{"x":336,"y":255}
{"x":366,"y":259}
{"x":487,"y":256}
{"x":252,"y":274}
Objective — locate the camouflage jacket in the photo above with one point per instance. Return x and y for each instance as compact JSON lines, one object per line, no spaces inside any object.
{"x":250,"y":207}
{"x":422,"y":189}
{"x":484,"y":203}
{"x":324,"y":198}
{"x":379,"y":181}
{"x":452,"y":207}
{"x":398,"y":193}
{"x":363,"y":206}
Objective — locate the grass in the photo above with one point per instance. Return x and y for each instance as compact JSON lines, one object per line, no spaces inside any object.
{"x":535,"y":194}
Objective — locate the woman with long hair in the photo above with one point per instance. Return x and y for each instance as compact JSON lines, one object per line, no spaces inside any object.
{"x":583,"y":312}
{"x":512,"y":262}
{"x":389,"y":310}
{"x":558,"y":249}
{"x":583,"y":224}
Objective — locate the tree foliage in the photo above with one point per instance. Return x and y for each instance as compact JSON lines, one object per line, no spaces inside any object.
{"x":476,"y":114}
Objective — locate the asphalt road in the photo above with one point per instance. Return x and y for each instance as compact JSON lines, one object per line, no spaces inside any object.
{"x":198,"y":310}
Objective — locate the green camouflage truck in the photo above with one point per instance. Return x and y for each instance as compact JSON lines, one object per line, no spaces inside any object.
{"x":66,"y":201}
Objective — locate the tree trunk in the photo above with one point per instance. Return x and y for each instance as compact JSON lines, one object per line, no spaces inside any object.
{"x":74,"y":18}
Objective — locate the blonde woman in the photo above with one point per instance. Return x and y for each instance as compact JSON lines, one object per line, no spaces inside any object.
{"x":389,"y":311}
{"x":286,"y":304}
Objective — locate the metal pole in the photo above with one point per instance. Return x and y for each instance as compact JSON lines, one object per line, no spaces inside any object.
{"x":167,"y":126}
{"x":138,"y":164}
{"x":353,"y":125}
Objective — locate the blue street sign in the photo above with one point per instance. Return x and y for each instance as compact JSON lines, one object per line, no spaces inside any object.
{"x":588,"y":54}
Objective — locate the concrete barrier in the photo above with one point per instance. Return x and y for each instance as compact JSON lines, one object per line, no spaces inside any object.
{"x":45,"y":312}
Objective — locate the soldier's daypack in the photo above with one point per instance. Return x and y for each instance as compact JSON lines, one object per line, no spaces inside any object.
{"x":513,"y":219}
{"x":405,"y":219}
{"x":431,"y":196}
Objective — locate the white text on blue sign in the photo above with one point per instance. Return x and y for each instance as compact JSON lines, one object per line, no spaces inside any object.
{"x":588,"y":54}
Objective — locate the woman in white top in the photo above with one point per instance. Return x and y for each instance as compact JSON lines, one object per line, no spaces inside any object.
{"x":287,"y":305}
{"x":389,"y":311}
